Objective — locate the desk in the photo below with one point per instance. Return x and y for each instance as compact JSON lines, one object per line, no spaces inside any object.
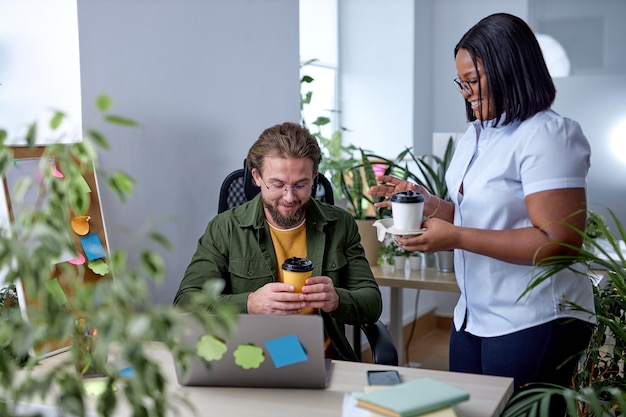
{"x":488,"y":394}
{"x":423,"y":279}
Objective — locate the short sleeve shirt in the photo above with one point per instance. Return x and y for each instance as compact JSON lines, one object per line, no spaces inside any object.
{"x":498,"y":167}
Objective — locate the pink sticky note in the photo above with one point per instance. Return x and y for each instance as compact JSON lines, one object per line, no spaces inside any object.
{"x":78,"y":260}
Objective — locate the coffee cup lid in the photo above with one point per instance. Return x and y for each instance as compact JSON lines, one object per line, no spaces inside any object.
{"x":295,"y":264}
{"x":407,"y":197}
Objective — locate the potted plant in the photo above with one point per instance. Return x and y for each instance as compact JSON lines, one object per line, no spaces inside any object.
{"x":415,"y":260}
{"x":120,"y":309}
{"x":391,"y":254}
{"x":599,"y":386}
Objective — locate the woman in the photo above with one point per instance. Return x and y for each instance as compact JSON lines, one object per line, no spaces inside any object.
{"x":517,"y":175}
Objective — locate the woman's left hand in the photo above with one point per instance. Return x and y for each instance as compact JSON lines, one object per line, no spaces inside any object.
{"x":439,"y":235}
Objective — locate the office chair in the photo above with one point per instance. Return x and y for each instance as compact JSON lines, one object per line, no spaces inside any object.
{"x":238,"y":188}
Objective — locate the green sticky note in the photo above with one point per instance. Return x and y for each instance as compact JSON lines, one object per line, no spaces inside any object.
{"x":211,"y":348}
{"x":249,"y":356}
{"x":96,"y":387}
{"x":98,"y":266}
{"x":55,"y":289}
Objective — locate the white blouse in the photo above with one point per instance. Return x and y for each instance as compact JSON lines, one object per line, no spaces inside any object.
{"x":498,"y":167}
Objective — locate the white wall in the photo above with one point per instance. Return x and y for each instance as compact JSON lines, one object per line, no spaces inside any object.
{"x":376,"y":73}
{"x":39,"y":69}
{"x":203,"y":78}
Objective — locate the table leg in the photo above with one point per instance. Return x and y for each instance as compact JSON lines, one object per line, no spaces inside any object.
{"x":395,"y":321}
{"x":356,"y":341}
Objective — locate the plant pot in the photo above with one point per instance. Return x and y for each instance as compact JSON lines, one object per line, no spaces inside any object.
{"x":399,"y":262}
{"x":445,"y":261}
{"x":415,"y":261}
{"x":430,"y":260}
{"x":369,"y":240}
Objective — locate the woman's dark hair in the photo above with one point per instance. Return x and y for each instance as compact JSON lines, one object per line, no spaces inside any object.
{"x":287,"y":140}
{"x":516,"y":72}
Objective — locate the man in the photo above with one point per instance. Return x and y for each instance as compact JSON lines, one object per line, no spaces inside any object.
{"x":246,"y":245}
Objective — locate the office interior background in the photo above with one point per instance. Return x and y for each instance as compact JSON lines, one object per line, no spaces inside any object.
{"x":203,"y":79}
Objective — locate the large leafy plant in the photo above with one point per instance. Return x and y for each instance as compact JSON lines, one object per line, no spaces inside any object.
{"x":120,"y":308}
{"x":433,"y":169}
{"x":354,"y":169}
{"x":599,"y":386}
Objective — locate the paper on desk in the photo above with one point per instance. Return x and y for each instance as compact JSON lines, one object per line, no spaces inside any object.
{"x":350,"y":409}
{"x":26,"y":409}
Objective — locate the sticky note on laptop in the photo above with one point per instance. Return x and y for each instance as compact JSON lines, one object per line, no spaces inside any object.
{"x":286,"y":350}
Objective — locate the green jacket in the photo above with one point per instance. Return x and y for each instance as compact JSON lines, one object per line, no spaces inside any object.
{"x":237,"y":247}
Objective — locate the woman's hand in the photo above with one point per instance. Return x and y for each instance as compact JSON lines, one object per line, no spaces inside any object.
{"x":391,"y":185}
{"x":439,"y":235}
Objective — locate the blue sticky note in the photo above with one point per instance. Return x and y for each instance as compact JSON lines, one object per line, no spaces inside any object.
{"x":286,"y":350}
{"x":127,"y":372}
{"x":92,"y":246}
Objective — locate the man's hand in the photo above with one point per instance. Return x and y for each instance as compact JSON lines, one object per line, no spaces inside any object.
{"x":276,"y":298}
{"x":319,"y":292}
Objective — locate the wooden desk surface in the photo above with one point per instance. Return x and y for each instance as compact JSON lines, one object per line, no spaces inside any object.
{"x":488,"y":395}
{"x":424,"y":279}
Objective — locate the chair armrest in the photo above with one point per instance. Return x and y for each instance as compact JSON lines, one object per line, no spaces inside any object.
{"x":383,"y":350}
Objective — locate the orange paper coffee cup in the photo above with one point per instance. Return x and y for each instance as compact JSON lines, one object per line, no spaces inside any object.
{"x":296,"y":271}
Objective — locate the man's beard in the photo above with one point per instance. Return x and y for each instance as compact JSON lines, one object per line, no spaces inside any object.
{"x":287,"y":222}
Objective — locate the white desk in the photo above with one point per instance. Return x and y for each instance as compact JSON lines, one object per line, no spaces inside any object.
{"x":488,"y":394}
{"x":423,"y":279}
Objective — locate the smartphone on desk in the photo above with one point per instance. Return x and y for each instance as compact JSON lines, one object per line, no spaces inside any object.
{"x":388,"y":377}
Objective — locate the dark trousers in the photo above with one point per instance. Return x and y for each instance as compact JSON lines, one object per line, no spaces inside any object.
{"x":547,"y":353}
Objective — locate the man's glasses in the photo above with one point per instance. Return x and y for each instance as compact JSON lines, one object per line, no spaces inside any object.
{"x":278,"y":189}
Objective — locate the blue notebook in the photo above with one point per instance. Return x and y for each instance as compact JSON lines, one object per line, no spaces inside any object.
{"x":412,"y":398}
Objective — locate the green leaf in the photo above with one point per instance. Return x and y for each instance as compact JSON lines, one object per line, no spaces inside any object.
{"x":98,"y":138}
{"x":321,"y":121}
{"x":104,"y":103}
{"x":56,"y":120}
{"x":31,"y":135}
{"x":3,"y":136}
{"x":6,"y":159}
{"x":153,"y":265}
{"x":160,"y":239}
{"x":121,"y":183}
{"x":119,"y":120}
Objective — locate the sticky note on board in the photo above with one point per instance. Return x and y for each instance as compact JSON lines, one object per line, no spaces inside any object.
{"x":286,"y":350}
{"x":92,"y":246}
{"x":80,"y":225}
{"x":79,"y":260}
{"x":99,"y":267}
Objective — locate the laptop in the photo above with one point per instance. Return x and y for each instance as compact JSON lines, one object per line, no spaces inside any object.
{"x":266,"y":351}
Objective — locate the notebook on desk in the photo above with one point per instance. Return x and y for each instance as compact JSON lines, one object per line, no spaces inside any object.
{"x":265,"y":351}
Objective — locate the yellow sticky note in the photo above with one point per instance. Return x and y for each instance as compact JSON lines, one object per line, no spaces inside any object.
{"x":80,"y":225}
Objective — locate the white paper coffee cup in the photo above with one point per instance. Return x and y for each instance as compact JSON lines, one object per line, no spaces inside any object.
{"x":407,"y":209}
